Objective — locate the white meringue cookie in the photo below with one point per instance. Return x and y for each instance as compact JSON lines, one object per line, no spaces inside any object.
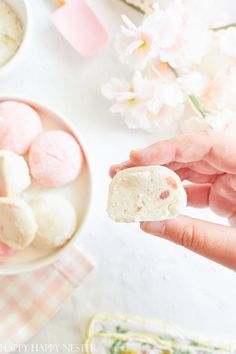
{"x":150,"y":193}
{"x":14,"y":174}
{"x":56,"y":218}
{"x":17,"y":223}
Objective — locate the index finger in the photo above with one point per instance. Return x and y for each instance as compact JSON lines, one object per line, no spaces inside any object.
{"x":182,"y":149}
{"x":218,"y":150}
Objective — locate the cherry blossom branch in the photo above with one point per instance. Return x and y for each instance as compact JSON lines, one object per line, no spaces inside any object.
{"x":167,"y":75}
{"x":224,"y":27}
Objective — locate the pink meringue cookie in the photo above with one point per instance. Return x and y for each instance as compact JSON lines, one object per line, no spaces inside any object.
{"x":6,"y":251}
{"x":19,"y":126}
{"x":55,"y":158}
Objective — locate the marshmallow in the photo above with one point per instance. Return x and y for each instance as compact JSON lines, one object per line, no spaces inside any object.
{"x":55,"y":158}
{"x":14,"y":174}
{"x":19,"y":125}
{"x":56,"y":219}
{"x":149,"y":193}
{"x":17,"y":223}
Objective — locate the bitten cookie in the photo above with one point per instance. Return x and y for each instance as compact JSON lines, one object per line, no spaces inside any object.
{"x":149,"y":193}
{"x":17,"y":223}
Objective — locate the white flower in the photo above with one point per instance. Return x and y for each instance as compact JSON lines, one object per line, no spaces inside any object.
{"x":228,"y":41}
{"x":136,"y":45}
{"x":220,"y":92}
{"x":128,"y":95}
{"x":165,"y":119}
{"x":212,"y":12}
{"x":166,"y":23}
{"x":166,"y":103}
{"x":145,"y":103}
{"x":193,"y":83}
{"x":182,"y":40}
{"x":193,"y":124}
{"x":157,"y":68}
{"x":189,"y":48}
{"x":217,"y":122}
{"x":220,"y":120}
{"x":170,"y":94}
{"x":167,"y":88}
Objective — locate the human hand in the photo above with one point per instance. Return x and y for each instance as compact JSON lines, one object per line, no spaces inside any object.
{"x":208,"y":160}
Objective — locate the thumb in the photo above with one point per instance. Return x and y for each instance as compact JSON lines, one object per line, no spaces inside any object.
{"x":214,"y":241}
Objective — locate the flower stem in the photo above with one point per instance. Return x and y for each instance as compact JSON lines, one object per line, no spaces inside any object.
{"x":173,"y":69}
{"x":224,"y":27}
{"x":133,"y":6}
{"x":195,"y":103}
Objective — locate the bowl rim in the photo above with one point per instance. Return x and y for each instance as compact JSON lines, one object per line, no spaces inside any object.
{"x":55,"y":256}
{"x":28,"y":24}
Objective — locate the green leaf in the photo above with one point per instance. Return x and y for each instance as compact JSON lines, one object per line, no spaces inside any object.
{"x":119,"y":329}
{"x":118,"y":346}
{"x":180,"y":351}
{"x":103,"y":330}
{"x":149,"y":345}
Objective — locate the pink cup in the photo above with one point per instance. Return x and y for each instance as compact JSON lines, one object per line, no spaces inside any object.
{"x":79,"y":25}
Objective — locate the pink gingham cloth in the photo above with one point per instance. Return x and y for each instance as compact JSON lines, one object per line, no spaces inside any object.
{"x":29,"y":300}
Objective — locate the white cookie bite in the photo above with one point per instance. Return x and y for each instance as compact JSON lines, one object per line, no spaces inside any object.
{"x":56,"y":218}
{"x":149,"y":193}
{"x":17,"y":223}
{"x":14,"y":174}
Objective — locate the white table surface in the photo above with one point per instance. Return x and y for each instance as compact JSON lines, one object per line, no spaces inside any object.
{"x":135,"y":273}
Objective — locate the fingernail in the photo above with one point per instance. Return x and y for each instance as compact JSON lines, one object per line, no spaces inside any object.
{"x":152,"y":226}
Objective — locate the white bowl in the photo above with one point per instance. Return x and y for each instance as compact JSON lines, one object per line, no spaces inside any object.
{"x":22,"y":9}
{"x":78,"y":192}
